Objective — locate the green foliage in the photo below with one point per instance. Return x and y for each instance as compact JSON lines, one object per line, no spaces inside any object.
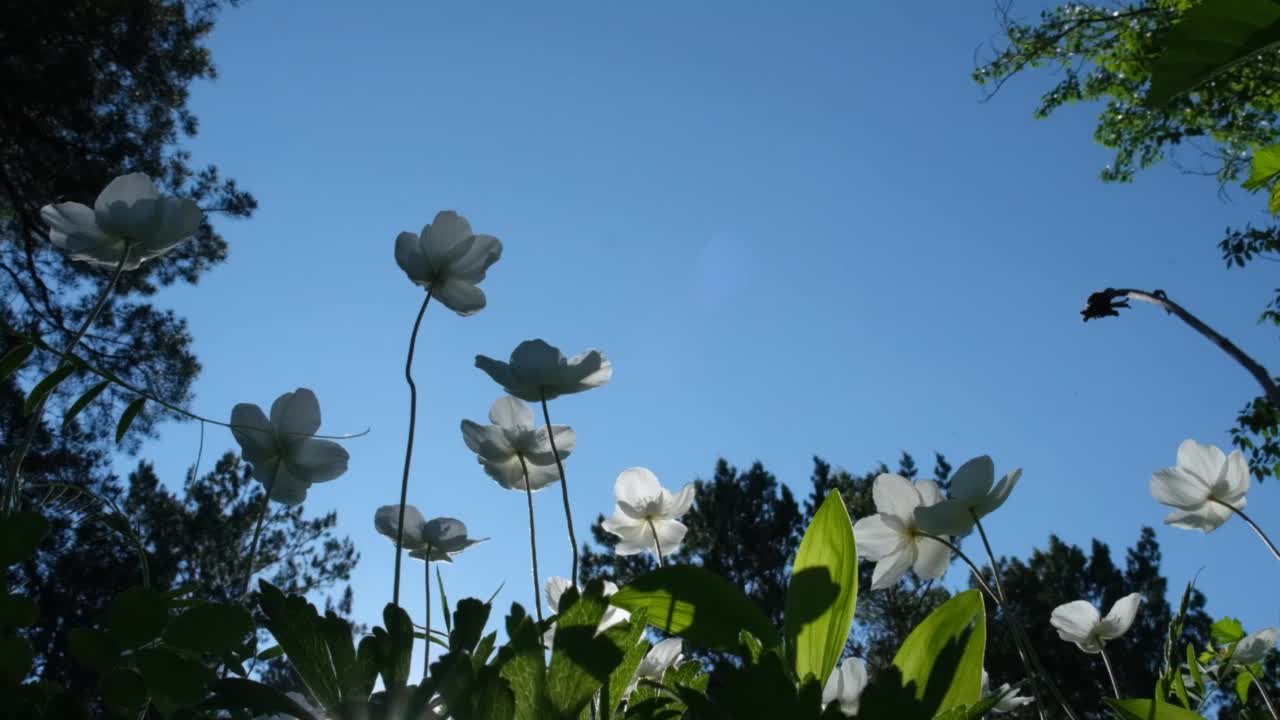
{"x":137,"y":616}
{"x":36,"y":397}
{"x":1266,"y":169}
{"x":20,"y":535}
{"x":581,"y":660}
{"x":210,"y":628}
{"x":1226,"y":631}
{"x":1210,"y":39}
{"x":128,"y":416}
{"x":1149,"y":710}
{"x":698,"y":605}
{"x":83,"y":401}
{"x":939,"y":666}
{"x":823,"y":592}
{"x":13,"y":359}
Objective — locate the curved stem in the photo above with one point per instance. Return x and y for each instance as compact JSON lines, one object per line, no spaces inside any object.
{"x":1115,"y":687}
{"x":1270,"y":545}
{"x":15,"y":465}
{"x":1023,"y":653}
{"x":564,"y":487}
{"x":533,"y":539}
{"x":426,"y":635}
{"x":1099,"y":300}
{"x":977,"y":574}
{"x":408,"y":448}
{"x":656,"y":545}
{"x":142,"y":392}
{"x":257,"y":529}
{"x":1266,"y":697}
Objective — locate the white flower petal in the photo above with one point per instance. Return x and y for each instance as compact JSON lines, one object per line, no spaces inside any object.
{"x":511,"y":412}
{"x":635,"y":489}
{"x":974,"y":478}
{"x":895,"y":495}
{"x":1206,"y":518}
{"x":932,"y":559}
{"x":1075,"y":622}
{"x":296,"y":414}
{"x":410,"y":258}
{"x":1256,"y":646}
{"x":1178,"y":488}
{"x":252,"y":430}
{"x":670,"y":534}
{"x":1118,"y":621}
{"x":890,"y":569}
{"x":845,"y":686}
{"x":660,"y":658}
{"x":320,"y":460}
{"x":386,"y":520}
{"x":458,"y":295}
{"x":681,"y":502}
{"x":880,"y":535}
{"x":1201,"y":460}
{"x":487,"y":441}
{"x":555,"y":588}
{"x":949,"y":517}
{"x":930,"y":492}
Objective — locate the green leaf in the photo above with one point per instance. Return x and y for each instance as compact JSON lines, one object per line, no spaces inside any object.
{"x":581,"y":660}
{"x":1273,"y":205}
{"x":210,"y":628}
{"x":941,"y":660}
{"x":93,"y":648}
{"x":137,"y":616}
{"x":124,"y":689}
{"x":271,"y":653}
{"x":20,"y":534}
{"x":295,"y":625}
{"x":355,"y":680}
{"x":444,"y":602}
{"x":969,"y":712}
{"x":13,"y":360}
{"x":397,"y":646}
{"x":175,"y":680}
{"x":700,"y":606}
{"x":1243,"y":681}
{"x":1226,"y":631}
{"x":522,"y":662}
{"x":127,"y":417}
{"x":258,"y":699}
{"x":629,"y":638}
{"x":46,"y":386}
{"x":15,"y":659}
{"x":751,"y":645}
{"x":1212,"y":38}
{"x":1148,"y":710}
{"x":80,"y":404}
{"x":16,"y":610}
{"x":823,"y":592}
{"x":1266,"y":166}
{"x":468,"y":622}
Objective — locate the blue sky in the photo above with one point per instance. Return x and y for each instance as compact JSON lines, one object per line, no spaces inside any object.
{"x":796,"y":230}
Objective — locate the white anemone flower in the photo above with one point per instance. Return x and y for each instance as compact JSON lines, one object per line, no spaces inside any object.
{"x":513,"y":436}
{"x":1255,"y":646}
{"x":661,"y":657}
{"x":892,"y":538}
{"x":445,"y":537}
{"x":129,"y":211}
{"x":1079,"y":622}
{"x":647,"y":511}
{"x":973,"y":493}
{"x":284,"y":456}
{"x":1007,"y":700}
{"x":1204,"y":486}
{"x":449,"y":260}
{"x":845,"y":685}
{"x":537,"y":369}
{"x":555,"y":588}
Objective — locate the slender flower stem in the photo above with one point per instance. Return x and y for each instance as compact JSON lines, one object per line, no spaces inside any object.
{"x":1004,"y":602}
{"x":408,"y":448}
{"x":657,"y":545}
{"x":1115,"y":687}
{"x":533,"y":538}
{"x":1270,"y":545}
{"x":15,"y":466}
{"x":564,"y":487}
{"x":257,"y":528}
{"x":1266,"y":697}
{"x":426,"y":635}
{"x":977,"y":574}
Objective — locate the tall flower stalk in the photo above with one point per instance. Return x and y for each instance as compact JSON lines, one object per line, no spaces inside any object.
{"x":564,"y":490}
{"x":408,"y":448}
{"x":533,"y":540}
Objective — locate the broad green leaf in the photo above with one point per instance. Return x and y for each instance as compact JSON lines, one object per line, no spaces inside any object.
{"x":295,"y":625}
{"x":128,"y":416}
{"x":271,"y":653}
{"x":581,"y":660}
{"x":355,"y":681}
{"x":1243,"y":681}
{"x":823,"y":591}
{"x":941,"y":660}
{"x":1212,"y":38}
{"x":258,"y":699}
{"x":211,"y":628}
{"x":629,"y":638}
{"x":83,"y":401}
{"x":93,"y":648}
{"x":13,"y":360}
{"x":751,"y":645}
{"x":1266,"y":166}
{"x":20,"y":534}
{"x":468,"y":622}
{"x":522,"y":662}
{"x":175,"y":680}
{"x":397,"y":646}
{"x":16,"y":610}
{"x":700,"y":606}
{"x":1226,"y":631}
{"x":124,"y":688}
{"x":46,"y":386}
{"x":493,"y":697}
{"x":136,"y":616}
{"x":1148,"y":710}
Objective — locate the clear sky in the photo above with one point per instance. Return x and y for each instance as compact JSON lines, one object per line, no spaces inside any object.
{"x":795,"y":229}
